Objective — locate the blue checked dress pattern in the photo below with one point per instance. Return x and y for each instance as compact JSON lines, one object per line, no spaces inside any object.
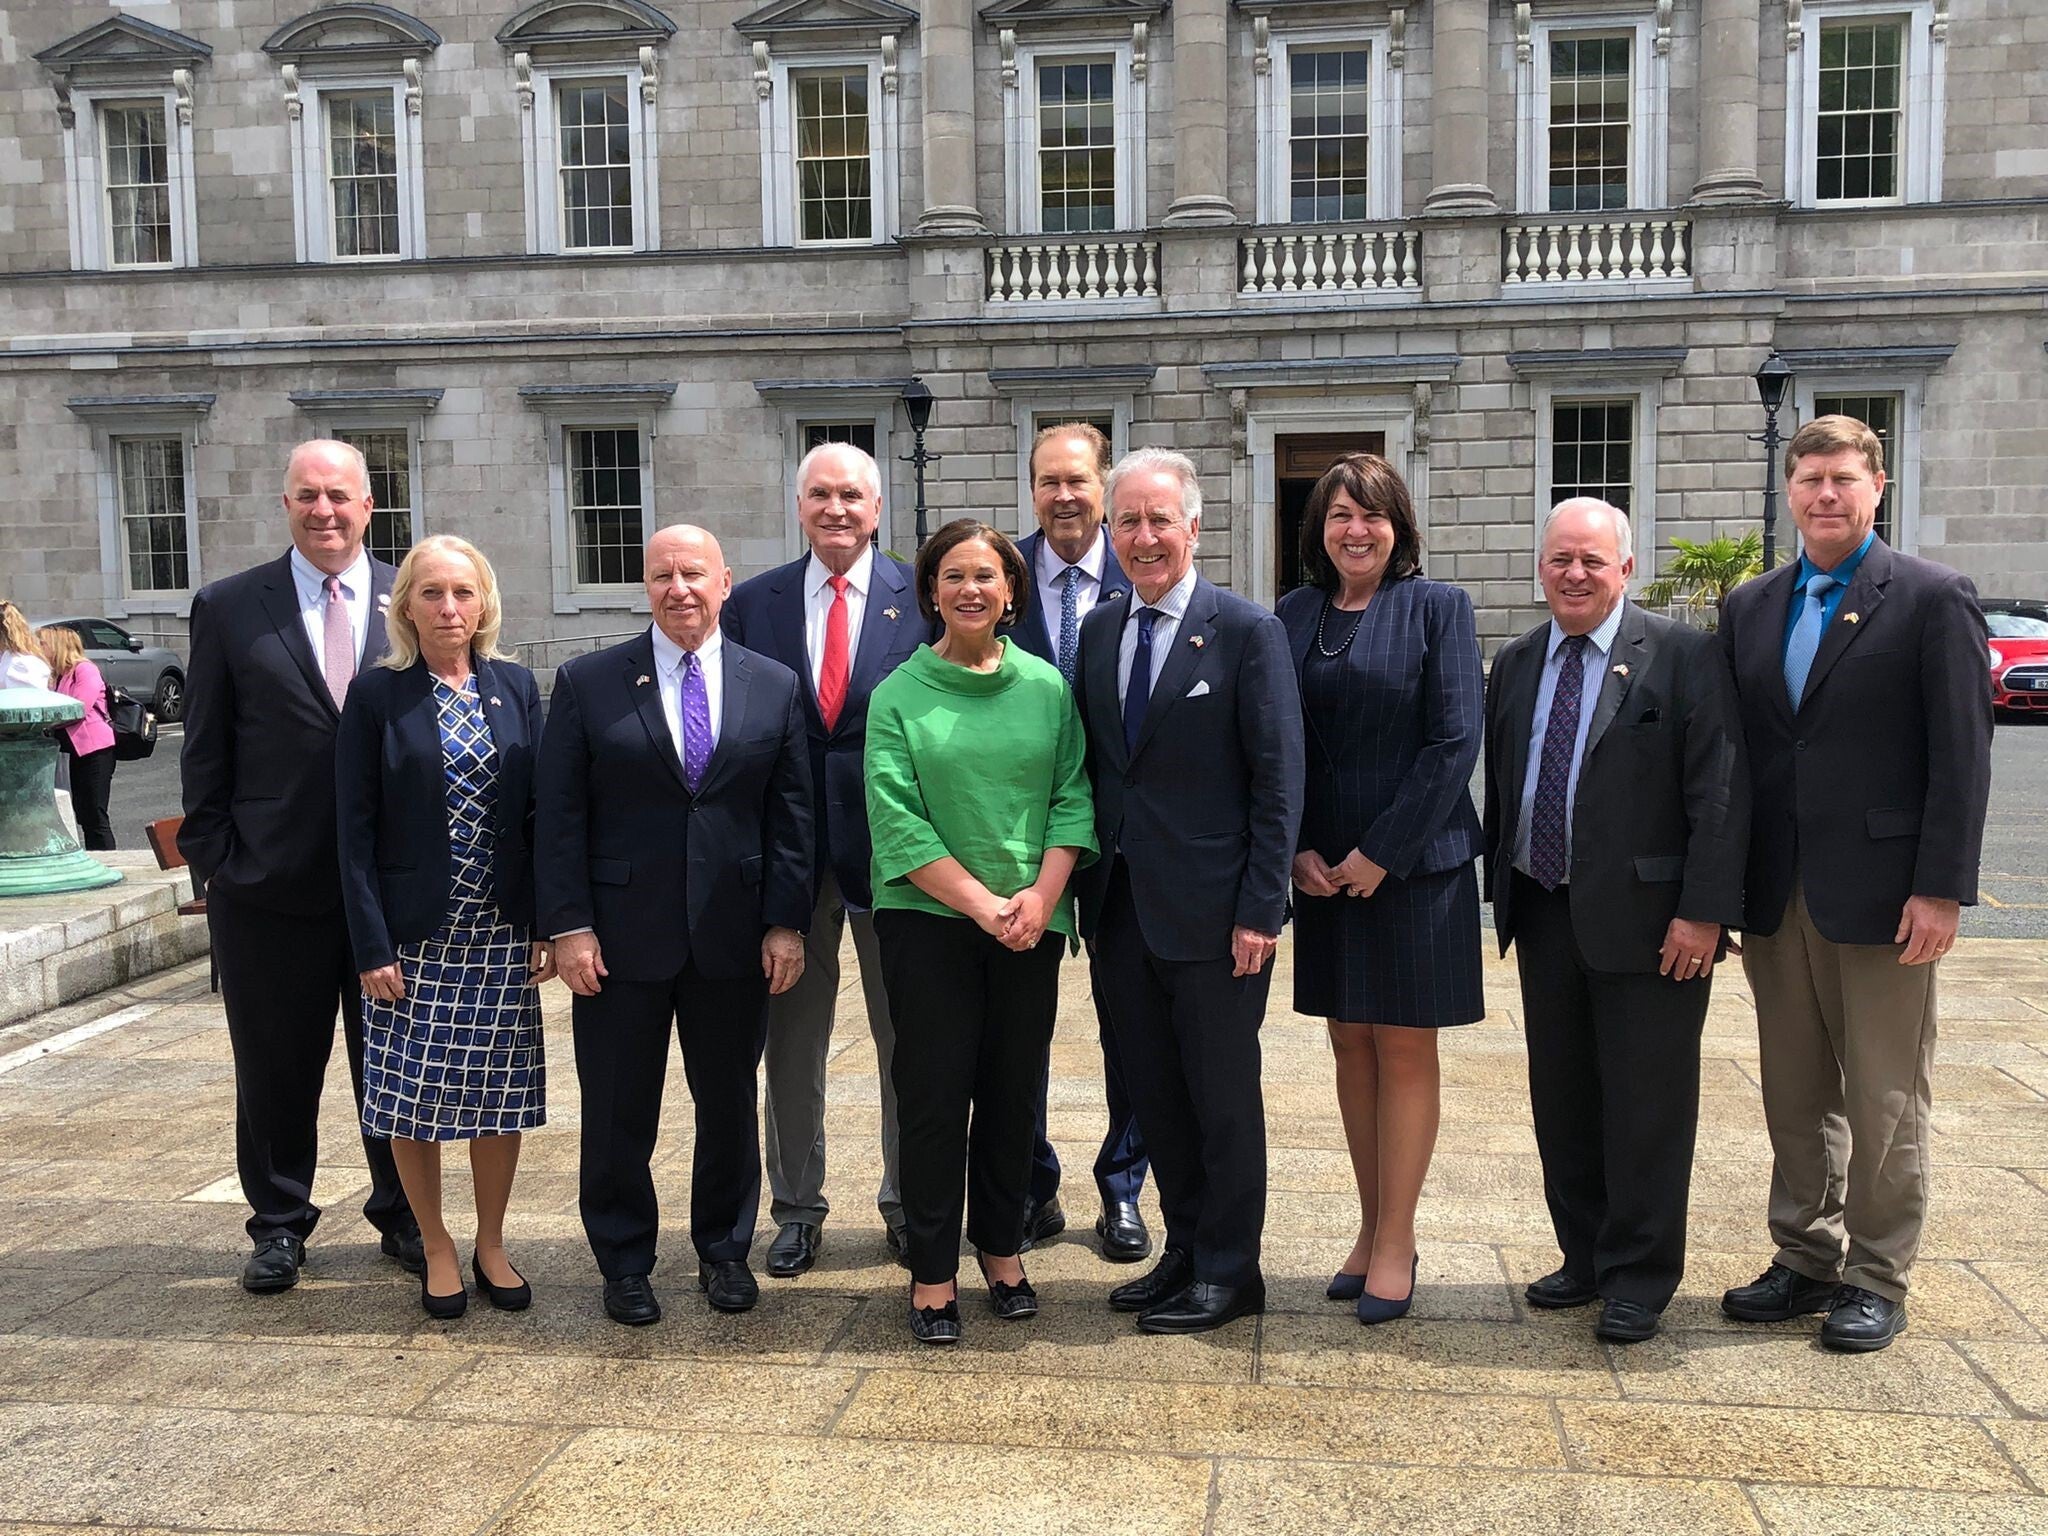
{"x":1547,"y":864}
{"x":460,"y":1055}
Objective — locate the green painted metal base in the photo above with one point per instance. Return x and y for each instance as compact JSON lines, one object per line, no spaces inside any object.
{"x":38,"y":856}
{"x":46,"y":874}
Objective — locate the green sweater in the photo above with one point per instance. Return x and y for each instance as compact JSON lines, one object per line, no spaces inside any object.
{"x":986,"y":766}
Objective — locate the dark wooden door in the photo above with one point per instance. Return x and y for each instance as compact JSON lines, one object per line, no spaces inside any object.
{"x":1298,"y":463}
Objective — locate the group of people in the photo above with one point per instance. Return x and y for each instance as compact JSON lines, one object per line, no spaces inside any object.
{"x":53,"y":658}
{"x":1001,"y":756}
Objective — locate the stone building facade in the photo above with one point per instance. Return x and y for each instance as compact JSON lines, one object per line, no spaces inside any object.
{"x":573,"y":269}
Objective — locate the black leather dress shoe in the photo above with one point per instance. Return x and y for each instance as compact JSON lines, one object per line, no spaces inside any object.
{"x":1123,"y":1234}
{"x":1203,"y":1306}
{"x":1777,"y":1295}
{"x":899,"y":1245}
{"x":274,"y":1266}
{"x":1174,"y":1272}
{"x":1558,"y":1290}
{"x":630,"y":1300}
{"x":794,"y":1250}
{"x":1862,"y":1321}
{"x":1626,"y":1322}
{"x":728,"y":1284}
{"x":1042,"y":1222}
{"x":405,"y":1246}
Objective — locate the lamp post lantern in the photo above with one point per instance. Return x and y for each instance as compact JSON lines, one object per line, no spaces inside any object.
{"x":1772,"y":379}
{"x":917,"y":404}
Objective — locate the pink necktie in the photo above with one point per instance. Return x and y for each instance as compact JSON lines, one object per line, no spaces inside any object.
{"x":338,"y":644}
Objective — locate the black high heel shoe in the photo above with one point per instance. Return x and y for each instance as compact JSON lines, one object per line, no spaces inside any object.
{"x":443,"y":1308}
{"x":1011,"y":1303}
{"x":506,"y":1298}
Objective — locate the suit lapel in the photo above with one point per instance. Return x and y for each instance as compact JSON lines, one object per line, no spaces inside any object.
{"x":281,"y":604}
{"x":1034,"y":630}
{"x":732,"y":714}
{"x":506,"y":720}
{"x":1301,"y":620}
{"x":1525,"y":662}
{"x":1115,"y":583}
{"x":1866,"y":591}
{"x":1105,"y":704}
{"x":1625,"y":658}
{"x":376,"y":638}
{"x":881,"y":622}
{"x":786,"y":633}
{"x":1763,"y":650}
{"x":643,"y":687}
{"x":1197,"y":628}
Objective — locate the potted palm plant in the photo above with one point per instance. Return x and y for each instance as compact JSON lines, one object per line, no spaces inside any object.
{"x":1699,"y":576}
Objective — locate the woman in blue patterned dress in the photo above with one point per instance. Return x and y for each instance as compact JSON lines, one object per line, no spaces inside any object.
{"x":434,"y":796}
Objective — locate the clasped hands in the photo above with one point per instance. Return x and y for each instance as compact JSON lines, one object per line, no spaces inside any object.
{"x":386,"y":983}
{"x":1017,"y":923}
{"x":1355,"y":875}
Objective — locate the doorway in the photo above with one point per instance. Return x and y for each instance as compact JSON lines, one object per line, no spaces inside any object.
{"x":1299,"y":460}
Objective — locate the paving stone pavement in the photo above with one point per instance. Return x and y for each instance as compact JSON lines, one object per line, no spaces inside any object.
{"x":142,"y":1390}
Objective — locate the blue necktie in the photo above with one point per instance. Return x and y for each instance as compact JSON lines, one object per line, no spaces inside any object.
{"x":1070,"y":620}
{"x":1547,"y":860}
{"x":1805,"y":641}
{"x":1138,"y":691}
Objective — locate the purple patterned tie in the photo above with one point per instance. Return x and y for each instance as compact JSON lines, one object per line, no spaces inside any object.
{"x":338,"y":643}
{"x":1546,"y":821}
{"x":696,"y":723}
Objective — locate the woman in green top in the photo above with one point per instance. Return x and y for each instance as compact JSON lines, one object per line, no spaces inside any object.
{"x":979,"y":807}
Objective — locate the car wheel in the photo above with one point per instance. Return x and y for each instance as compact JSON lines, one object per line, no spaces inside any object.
{"x":169,"y":705}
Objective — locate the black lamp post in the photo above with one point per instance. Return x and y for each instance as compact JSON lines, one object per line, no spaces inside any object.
{"x":917,"y":404}
{"x":1771,"y":381}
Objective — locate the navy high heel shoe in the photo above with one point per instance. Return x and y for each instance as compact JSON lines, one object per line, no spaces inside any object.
{"x":1345,"y":1287}
{"x":1377,"y":1309}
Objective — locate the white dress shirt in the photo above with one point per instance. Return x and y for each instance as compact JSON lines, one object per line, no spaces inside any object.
{"x":818,"y":609}
{"x":668,"y":667}
{"x":1172,"y":608}
{"x":20,"y":670}
{"x":1593,"y":675}
{"x":311,"y":583}
{"x":1051,"y":574}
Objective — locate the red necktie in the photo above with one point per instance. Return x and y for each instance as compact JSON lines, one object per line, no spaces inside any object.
{"x":832,"y":675}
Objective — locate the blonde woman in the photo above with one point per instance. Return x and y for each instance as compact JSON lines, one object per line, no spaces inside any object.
{"x":88,"y":743}
{"x":434,"y":800}
{"x":22,"y":663}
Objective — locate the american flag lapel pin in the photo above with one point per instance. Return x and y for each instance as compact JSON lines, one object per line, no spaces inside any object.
{"x":1196,"y":641}
{"x":1853,"y":618}
{"x":1621,"y":669}
{"x":640,"y":681}
{"x":892,"y":614}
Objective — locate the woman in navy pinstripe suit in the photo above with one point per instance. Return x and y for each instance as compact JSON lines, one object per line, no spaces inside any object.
{"x":1387,"y":911}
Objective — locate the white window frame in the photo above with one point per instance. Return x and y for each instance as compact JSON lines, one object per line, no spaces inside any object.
{"x":1903,"y":467}
{"x":1273,"y":97}
{"x":313,"y":190}
{"x":540,"y":148}
{"x":1024,"y":209}
{"x":1647,"y":396}
{"x":122,"y":601}
{"x":570,"y":596}
{"x":409,"y":426}
{"x":780,"y":223}
{"x":1649,"y":151}
{"x":1025,"y":409}
{"x":1925,"y":99}
{"x":882,"y":412}
{"x":85,"y":177}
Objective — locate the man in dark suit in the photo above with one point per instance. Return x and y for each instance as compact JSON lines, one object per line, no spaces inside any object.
{"x":273,"y":652}
{"x":673,"y":867}
{"x":1195,"y":755}
{"x":841,"y":618}
{"x":1073,"y":569}
{"x":1617,"y":819}
{"x":1867,"y":709}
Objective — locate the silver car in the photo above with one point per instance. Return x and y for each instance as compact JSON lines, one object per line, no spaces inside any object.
{"x":152,"y":673}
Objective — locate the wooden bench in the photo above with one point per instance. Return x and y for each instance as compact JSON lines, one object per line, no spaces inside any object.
{"x":163,"y":842}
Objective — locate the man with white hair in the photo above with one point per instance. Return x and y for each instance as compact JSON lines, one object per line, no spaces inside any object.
{"x":1617,"y":824}
{"x":274,"y":649}
{"x":1196,"y":758}
{"x":841,"y":616}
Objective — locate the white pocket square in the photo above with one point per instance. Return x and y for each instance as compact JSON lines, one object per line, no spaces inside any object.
{"x":1199,"y":689}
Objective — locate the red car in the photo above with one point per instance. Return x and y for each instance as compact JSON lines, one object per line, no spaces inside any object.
{"x":2019,"y":661}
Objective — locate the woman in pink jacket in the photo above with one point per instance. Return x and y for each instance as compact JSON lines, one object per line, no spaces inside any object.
{"x":89,"y":742}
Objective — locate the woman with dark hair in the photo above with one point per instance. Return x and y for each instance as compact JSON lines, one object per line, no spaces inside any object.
{"x":979,"y":806}
{"x":1387,"y":912}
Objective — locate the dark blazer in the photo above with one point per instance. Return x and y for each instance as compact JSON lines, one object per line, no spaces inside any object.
{"x":1390,"y":772}
{"x":1206,"y":811}
{"x":1660,"y":825}
{"x":1875,"y":788}
{"x":621,"y":845}
{"x":766,"y":612}
{"x":258,"y":761}
{"x":391,"y":804}
{"x":1034,"y":630}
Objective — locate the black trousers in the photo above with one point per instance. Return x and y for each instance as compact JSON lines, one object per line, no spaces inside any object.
{"x":1120,"y":1162}
{"x":1189,"y":1034}
{"x":621,"y":1040}
{"x":973,"y":1032}
{"x":283,"y":978}
{"x":92,"y":784}
{"x":1614,"y":1080}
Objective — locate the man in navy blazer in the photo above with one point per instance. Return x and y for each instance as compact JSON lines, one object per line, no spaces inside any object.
{"x":1073,"y":569}
{"x":673,"y":868}
{"x":274,"y":650}
{"x":841,"y":618}
{"x":1196,"y":758}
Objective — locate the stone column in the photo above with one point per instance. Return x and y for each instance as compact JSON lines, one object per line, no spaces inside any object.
{"x":1457,"y":112}
{"x":1729,"y":31}
{"x":1200,"y":107}
{"x":946,"y":37}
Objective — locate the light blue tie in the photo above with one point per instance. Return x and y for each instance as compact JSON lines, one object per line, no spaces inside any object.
{"x":1805,"y":641}
{"x":1070,"y":620}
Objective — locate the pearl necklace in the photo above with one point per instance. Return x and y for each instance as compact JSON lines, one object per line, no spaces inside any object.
{"x":1350,"y":634}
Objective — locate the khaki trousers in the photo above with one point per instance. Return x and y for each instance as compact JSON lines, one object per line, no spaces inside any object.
{"x":1847,"y":1043}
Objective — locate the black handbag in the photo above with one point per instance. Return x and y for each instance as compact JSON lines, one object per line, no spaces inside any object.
{"x":134,"y":726}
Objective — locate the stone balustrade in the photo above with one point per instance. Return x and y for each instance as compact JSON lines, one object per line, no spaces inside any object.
{"x":1597,"y":251}
{"x":1383,"y":261}
{"x":1072,"y":271}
